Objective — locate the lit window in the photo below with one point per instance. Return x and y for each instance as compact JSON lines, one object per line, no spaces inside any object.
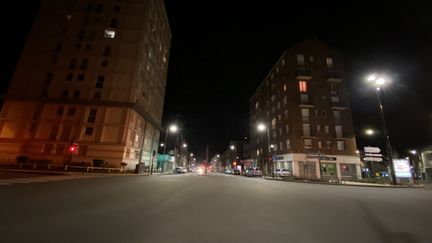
{"x":341,"y":145}
{"x":286,"y":113}
{"x":306,"y":130}
{"x":302,"y":86}
{"x":69,"y":17}
{"x":320,"y":145}
{"x":283,"y":62}
{"x":256,"y":105}
{"x":278,"y":105}
{"x":285,"y":87}
{"x":287,"y":128}
{"x":274,"y":123}
{"x":328,"y":145}
{"x":285,"y":100}
{"x":318,"y":128}
{"x":288,"y":144}
{"x":272,"y":98}
{"x":329,"y":62}
{"x":109,"y":33}
{"x":311,"y":59}
{"x":335,"y":99}
{"x":326,"y":128}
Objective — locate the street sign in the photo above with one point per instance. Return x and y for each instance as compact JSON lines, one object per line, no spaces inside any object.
{"x":376,"y":159}
{"x":372,"y":149}
{"x":373,"y":155}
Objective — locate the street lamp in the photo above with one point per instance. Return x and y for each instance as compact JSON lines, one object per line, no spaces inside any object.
{"x":173,"y":128}
{"x":261,"y":127}
{"x":379,"y":81}
{"x":413,"y":152}
{"x":232,"y":147}
{"x":369,"y":132}
{"x":184,"y":145}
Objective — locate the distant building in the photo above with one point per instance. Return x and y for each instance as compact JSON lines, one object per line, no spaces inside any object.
{"x":305,"y":105}
{"x":91,"y":73}
{"x":426,"y":163}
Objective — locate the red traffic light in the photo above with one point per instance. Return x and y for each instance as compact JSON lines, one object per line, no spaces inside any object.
{"x":73,"y":148}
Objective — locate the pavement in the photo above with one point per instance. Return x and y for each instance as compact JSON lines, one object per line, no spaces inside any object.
{"x":212,"y":208}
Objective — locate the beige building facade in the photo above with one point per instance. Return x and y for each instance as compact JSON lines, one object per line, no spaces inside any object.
{"x":91,"y":73}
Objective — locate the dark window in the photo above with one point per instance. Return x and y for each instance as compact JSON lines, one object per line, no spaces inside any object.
{"x":78,"y":46}
{"x":92,"y":116}
{"x":84,"y":64}
{"x":71,"y":111}
{"x":60,"y":110}
{"x":97,"y":95}
{"x":113,"y":23}
{"x":99,"y":8}
{"x":72,"y":63}
{"x":107,"y":51}
{"x":64,"y":94}
{"x":44,"y":92}
{"x":116,"y":8}
{"x":89,"y":131}
{"x":69,"y":76}
{"x":58,"y":47}
{"x":91,"y":35}
{"x":54,"y":59}
{"x":89,"y":7}
{"x":76,"y":94}
{"x":104,"y":63}
{"x":100,"y":82}
{"x":81,"y":34}
{"x":80,"y":77}
{"x":49,"y":78}
{"x":86,"y":19}
{"x":93,"y":112}
{"x":88,"y":47}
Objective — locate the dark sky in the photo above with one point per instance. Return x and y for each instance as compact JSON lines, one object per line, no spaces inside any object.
{"x":222,"y":50}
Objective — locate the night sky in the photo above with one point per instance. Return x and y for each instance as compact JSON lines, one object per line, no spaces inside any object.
{"x":222,"y":50}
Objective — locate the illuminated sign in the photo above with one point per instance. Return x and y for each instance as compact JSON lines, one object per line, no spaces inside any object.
{"x":402,"y":168}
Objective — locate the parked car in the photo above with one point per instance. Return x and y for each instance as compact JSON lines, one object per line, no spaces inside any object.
{"x":227,"y":171}
{"x":256,"y":171}
{"x":184,"y":170}
{"x":236,"y":172}
{"x":282,"y":172}
{"x":180,"y":170}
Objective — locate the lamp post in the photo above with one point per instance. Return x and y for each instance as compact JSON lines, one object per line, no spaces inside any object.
{"x":173,"y":128}
{"x":378,"y":81}
{"x":261,"y":127}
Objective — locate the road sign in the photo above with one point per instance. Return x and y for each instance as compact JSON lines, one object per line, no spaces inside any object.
{"x":377,"y":159}
{"x":373,"y":155}
{"x":372,"y":149}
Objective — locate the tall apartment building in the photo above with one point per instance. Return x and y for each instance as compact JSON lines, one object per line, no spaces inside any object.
{"x":92,"y":73}
{"x":304,"y":103}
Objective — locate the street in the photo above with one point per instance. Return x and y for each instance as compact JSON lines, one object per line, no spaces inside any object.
{"x":213,"y":208}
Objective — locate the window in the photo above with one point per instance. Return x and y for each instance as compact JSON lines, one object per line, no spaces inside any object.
{"x":60,"y":110}
{"x":92,"y":116}
{"x":286,"y":113}
{"x":78,"y":46}
{"x":69,"y":76}
{"x":97,"y":95}
{"x":329,"y":62}
{"x":320,"y":145}
{"x":81,"y":34}
{"x":274,"y":123}
{"x":305,"y":114}
{"x":328,"y":145}
{"x":335,"y":99}
{"x":274,"y":134}
{"x":273,"y":109}
{"x":69,"y":17}
{"x":300,"y":60}
{"x":44,"y":92}
{"x":285,"y":87}
{"x":84,"y":64}
{"x":272,"y":98}
{"x":89,"y":7}
{"x":338,"y":130}
{"x":72,"y":63}
{"x":88,"y":131}
{"x":333,"y":87}
{"x":71,"y":111}
{"x":281,"y":145}
{"x":287,"y":129}
{"x":98,"y":8}
{"x":110,"y":34}
{"x":307,"y":143}
{"x":88,"y":47}
{"x":279,"y":117}
{"x":100,"y":81}
{"x":324,"y":113}
{"x":64,"y":94}
{"x":76,"y":94}
{"x":106,"y":51}
{"x":283,"y":62}
{"x":49,"y":78}
{"x":311,"y":59}
{"x":288,"y":144}
{"x":80,"y":77}
{"x":340,"y":145}
{"x":280,"y":132}
{"x":304,"y":98}
{"x":104,"y":63}
{"x":257,"y":152}
{"x":326,"y":129}
{"x":278,"y":105}
{"x":113,"y":23}
{"x":268,"y":113}
{"x":285,"y":100}
{"x":256,"y":105}
{"x":306,"y":130}
{"x":302,"y":86}
{"x":318,"y":128}
{"x":337,"y":116}
{"x":317,"y":114}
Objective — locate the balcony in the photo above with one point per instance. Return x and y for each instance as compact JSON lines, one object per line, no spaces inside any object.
{"x":333,"y":76}
{"x":303,"y":74}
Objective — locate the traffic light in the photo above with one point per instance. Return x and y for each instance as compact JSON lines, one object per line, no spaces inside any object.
{"x":73,"y":148}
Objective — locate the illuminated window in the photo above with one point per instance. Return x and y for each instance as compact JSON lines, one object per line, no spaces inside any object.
{"x":274,"y":123}
{"x":335,"y":99}
{"x":341,"y":145}
{"x":256,"y":105}
{"x":302,"y":86}
{"x":109,"y":33}
{"x":329,"y":62}
{"x":328,"y":145}
{"x":285,"y":100}
{"x":320,"y":145}
{"x":318,"y":128}
{"x":308,"y":143}
{"x":288,"y":144}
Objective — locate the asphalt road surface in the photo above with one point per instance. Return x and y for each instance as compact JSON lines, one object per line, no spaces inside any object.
{"x":214,"y":208}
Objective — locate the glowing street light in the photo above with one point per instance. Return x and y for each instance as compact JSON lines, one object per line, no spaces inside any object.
{"x":191,"y":154}
{"x":369,"y":132}
{"x":184,"y":145}
{"x":232,"y":147}
{"x":162,"y":144}
{"x":413,"y":152}
{"x":173,"y":128}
